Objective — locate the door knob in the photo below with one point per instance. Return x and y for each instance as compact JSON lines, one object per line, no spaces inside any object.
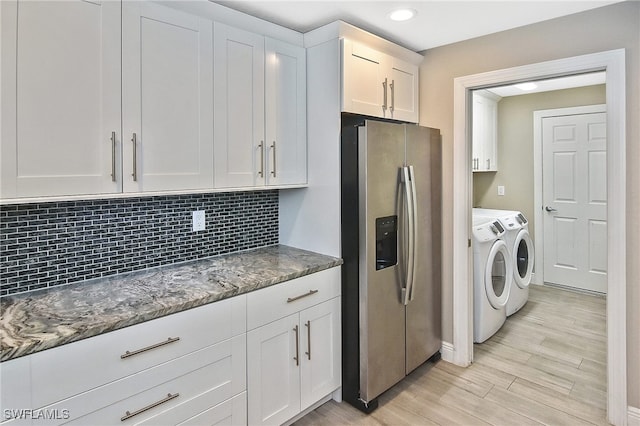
{"x":550,"y":209}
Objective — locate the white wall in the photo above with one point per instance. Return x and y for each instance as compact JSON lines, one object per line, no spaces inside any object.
{"x":598,"y":30}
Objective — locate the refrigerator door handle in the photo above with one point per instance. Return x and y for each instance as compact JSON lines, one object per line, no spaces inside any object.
{"x":413,"y":230}
{"x":409,"y":200}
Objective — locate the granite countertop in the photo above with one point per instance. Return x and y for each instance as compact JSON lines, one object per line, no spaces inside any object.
{"x":35,"y":321}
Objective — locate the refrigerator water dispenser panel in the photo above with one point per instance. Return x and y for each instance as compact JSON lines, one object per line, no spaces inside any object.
{"x":386,"y":242}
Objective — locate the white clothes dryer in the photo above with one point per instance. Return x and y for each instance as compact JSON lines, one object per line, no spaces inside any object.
{"x":492,"y":277}
{"x":521,"y":252}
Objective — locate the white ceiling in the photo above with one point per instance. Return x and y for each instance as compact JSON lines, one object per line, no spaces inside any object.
{"x":438,"y":22}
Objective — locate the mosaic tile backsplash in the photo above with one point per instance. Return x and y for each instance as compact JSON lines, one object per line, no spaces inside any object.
{"x":49,"y":244}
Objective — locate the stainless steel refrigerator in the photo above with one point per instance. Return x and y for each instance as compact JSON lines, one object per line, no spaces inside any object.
{"x":391,"y":242}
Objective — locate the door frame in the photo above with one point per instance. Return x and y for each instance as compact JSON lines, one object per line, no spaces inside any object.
{"x":613,"y":62}
{"x":538,"y":116}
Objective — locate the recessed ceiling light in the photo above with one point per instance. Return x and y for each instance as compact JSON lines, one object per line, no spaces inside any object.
{"x":402,"y":14}
{"x":526,"y":86}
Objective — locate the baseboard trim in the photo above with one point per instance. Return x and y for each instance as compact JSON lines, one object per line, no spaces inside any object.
{"x":446,"y":352}
{"x":633,"y":416}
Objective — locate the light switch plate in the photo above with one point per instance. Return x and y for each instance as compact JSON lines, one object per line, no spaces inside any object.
{"x":198,"y":221}
{"x":501,"y":190}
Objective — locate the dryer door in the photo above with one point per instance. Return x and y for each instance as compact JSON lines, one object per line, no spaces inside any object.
{"x":498,"y":275}
{"x":523,"y":259}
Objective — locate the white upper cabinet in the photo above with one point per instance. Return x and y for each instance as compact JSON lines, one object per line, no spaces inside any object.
{"x":105,"y":97}
{"x":286,"y":116}
{"x":364,"y":80}
{"x":377,"y":84}
{"x":60,"y":102}
{"x":404,"y":91}
{"x":485,"y":132}
{"x":239,"y":107}
{"x":259,"y":110}
{"x":167,"y":99}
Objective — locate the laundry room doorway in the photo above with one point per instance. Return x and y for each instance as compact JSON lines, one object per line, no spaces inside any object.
{"x":613,"y":62}
{"x":571,"y":203}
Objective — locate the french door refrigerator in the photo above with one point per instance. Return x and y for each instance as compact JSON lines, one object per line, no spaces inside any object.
{"x":391,"y":242}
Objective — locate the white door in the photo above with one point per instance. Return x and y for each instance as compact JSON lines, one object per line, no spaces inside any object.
{"x":60,"y":98}
{"x":273,"y":371}
{"x":575,"y":200}
{"x":167,"y":99}
{"x":320,"y":350}
{"x":240,"y":147}
{"x":403,"y":91}
{"x":286,"y":116}
{"x":364,"y":80}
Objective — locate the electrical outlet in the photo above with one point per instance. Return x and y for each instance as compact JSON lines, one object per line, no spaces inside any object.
{"x":198,"y":221}
{"x":500,"y":190}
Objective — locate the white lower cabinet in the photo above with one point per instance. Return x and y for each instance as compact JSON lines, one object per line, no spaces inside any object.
{"x":195,"y":367}
{"x":176,"y":369}
{"x":294,"y":361}
{"x":167,"y":394}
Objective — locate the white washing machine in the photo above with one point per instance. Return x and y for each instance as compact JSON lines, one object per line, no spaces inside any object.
{"x":521,"y":252}
{"x":492,"y":277}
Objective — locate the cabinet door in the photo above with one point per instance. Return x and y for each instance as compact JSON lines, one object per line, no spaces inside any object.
{"x":240,"y":147}
{"x":320,"y":350}
{"x":286,"y":117}
{"x":167,"y":99}
{"x":484,"y":133}
{"x":364,"y":80}
{"x":60,"y":97}
{"x":403,"y":91}
{"x":273,"y":373}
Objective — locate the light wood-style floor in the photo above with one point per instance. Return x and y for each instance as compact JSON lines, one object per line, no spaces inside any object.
{"x":546,"y":365}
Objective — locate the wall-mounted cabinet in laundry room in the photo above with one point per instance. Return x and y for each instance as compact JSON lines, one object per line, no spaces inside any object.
{"x":260,"y":110}
{"x":484,"y":135}
{"x":63,"y":133}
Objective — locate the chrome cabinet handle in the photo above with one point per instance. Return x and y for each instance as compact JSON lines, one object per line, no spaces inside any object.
{"x":129,"y":414}
{"x":293,"y":299}
{"x":297,"y":357}
{"x":488,"y":163}
{"x":384,"y":85}
{"x":113,"y":156}
{"x":261,"y":146}
{"x":135,"y":162}
{"x":127,"y":354}
{"x":308,"y":353}
{"x":550,"y":209}
{"x":393,"y":102}
{"x":273,"y":172}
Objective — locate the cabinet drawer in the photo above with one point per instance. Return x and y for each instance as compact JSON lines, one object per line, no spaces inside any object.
{"x":201,"y":379}
{"x":232,"y":412}
{"x":280,"y":300}
{"x":71,"y":369}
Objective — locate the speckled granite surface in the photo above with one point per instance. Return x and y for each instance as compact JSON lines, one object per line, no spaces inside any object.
{"x":32,"y":322}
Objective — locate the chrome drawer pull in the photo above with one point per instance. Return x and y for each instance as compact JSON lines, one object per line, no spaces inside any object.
{"x":273,"y":172}
{"x":128,"y":414}
{"x":308,"y":353}
{"x":297,"y":357}
{"x":127,"y":354}
{"x":293,"y":299}
{"x":134,"y":139}
{"x":261,"y":146}
{"x":113,"y":156}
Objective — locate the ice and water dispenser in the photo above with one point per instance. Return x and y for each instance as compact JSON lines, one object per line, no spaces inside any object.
{"x":386,"y":242}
